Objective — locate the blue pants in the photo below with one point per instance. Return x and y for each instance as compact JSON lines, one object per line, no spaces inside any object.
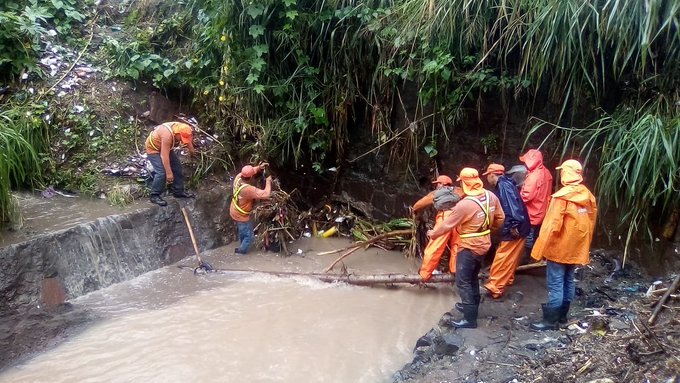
{"x":467,"y":276}
{"x":561,"y":284}
{"x":159,"y":179}
{"x":245,"y":235}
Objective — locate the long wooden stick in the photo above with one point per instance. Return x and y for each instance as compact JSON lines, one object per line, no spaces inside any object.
{"x":191,"y":233}
{"x":361,"y":280}
{"x":530,"y":266}
{"x":663,"y":300}
{"x":369,"y":241}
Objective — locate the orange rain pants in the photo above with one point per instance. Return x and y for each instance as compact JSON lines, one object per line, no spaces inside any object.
{"x":435,"y":248}
{"x":503,"y":267}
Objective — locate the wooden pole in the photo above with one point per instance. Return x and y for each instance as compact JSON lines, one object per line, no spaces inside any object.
{"x":361,"y":280}
{"x":663,"y":299}
{"x":191,"y":233}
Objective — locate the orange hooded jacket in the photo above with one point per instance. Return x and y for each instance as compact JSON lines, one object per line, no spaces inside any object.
{"x":568,"y":227}
{"x":537,"y":186}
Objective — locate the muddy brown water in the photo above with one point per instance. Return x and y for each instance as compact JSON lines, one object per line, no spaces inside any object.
{"x":44,"y":215}
{"x":172,"y":326}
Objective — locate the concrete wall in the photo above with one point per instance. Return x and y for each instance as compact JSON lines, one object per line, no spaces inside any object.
{"x":111,"y":249}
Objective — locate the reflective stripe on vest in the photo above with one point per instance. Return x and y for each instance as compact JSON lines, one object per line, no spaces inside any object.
{"x":487,"y":221}
{"x":235,"y":200}
{"x":149,"y":139}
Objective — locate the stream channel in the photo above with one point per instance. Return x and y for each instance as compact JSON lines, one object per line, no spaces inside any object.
{"x":169,"y":325}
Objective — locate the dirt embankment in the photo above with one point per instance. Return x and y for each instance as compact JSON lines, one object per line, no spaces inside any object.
{"x":607,"y":337}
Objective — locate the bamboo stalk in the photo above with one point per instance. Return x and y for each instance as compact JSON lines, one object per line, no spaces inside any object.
{"x":663,"y":300}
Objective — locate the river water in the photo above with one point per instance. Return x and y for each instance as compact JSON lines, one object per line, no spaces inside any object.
{"x":172,"y":326}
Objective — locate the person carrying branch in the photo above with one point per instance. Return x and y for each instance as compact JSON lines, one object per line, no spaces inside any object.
{"x":443,"y":198}
{"x":244,"y":195}
{"x":515,"y":229}
{"x":564,"y":241}
{"x":166,"y":165}
{"x":473,"y":218}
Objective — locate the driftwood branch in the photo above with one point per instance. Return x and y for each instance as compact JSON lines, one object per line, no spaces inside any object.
{"x":361,"y":280}
{"x":369,"y":241}
{"x":663,"y":300}
{"x":365,"y":244}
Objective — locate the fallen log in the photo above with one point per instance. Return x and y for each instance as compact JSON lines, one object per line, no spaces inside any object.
{"x":664,"y":298}
{"x":353,"y":279}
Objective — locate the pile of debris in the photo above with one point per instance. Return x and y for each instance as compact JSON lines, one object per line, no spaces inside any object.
{"x":628,"y":331}
{"x":280,"y":221}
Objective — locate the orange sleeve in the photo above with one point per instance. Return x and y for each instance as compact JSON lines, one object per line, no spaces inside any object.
{"x":424,"y":202}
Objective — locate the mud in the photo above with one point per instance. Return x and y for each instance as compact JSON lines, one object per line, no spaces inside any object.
{"x":24,"y":334}
{"x":606,"y":336}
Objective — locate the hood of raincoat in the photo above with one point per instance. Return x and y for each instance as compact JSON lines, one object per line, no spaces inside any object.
{"x":571,"y":172}
{"x":470,"y":182}
{"x":532,"y":158}
{"x":578,"y":194}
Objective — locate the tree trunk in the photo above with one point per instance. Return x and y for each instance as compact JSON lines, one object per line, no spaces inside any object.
{"x":353,"y":279}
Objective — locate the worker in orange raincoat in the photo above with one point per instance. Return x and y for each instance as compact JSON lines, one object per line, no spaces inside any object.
{"x":535,"y":193}
{"x":564,"y":242}
{"x":435,"y":248}
{"x":515,"y":229}
{"x":473,"y":218}
{"x":166,"y":164}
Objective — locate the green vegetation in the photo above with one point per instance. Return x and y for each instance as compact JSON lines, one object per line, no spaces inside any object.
{"x":293,"y":80}
{"x":23,"y":137}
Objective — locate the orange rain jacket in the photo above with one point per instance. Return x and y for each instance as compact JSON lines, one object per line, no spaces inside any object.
{"x":568,"y":227}
{"x":537,"y":186}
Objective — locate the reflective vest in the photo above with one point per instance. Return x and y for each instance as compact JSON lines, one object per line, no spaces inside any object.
{"x":485,"y":229}
{"x":149,"y":139}
{"x":234,"y":199}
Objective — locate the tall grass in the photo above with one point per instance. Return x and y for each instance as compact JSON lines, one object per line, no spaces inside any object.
{"x":23,"y":138}
{"x":637,"y":149}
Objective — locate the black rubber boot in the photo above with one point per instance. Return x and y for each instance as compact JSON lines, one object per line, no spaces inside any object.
{"x":469,"y":317}
{"x":459,"y":307}
{"x":183,"y":195}
{"x":564,"y":310}
{"x":157,"y":200}
{"x":550,"y":318}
